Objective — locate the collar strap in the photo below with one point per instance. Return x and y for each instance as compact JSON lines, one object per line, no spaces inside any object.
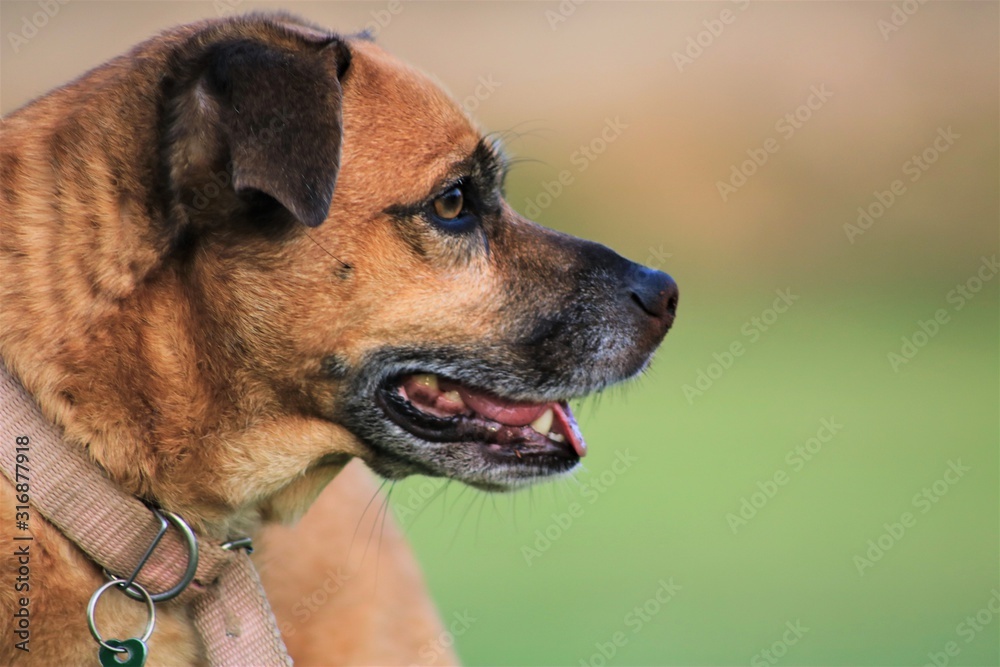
{"x":115,"y":530}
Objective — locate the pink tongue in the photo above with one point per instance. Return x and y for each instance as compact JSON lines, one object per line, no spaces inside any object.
{"x":498,"y":409}
{"x":503,"y":411}
{"x":513,"y":413}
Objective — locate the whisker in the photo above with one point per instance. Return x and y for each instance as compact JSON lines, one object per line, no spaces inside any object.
{"x":385,"y":515}
{"x":461,"y":521}
{"x":513,"y":510}
{"x":496,"y":510}
{"x":342,"y":262}
{"x":423,"y":509}
{"x":371,"y":533}
{"x":516,"y":161}
{"x":514,"y":134}
{"x":479,"y":518}
{"x":460,"y":494}
{"x":362,"y":517}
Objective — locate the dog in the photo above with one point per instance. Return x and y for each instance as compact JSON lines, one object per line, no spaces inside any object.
{"x":250,"y":251}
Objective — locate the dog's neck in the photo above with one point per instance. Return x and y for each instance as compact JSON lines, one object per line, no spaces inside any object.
{"x":98,"y":327}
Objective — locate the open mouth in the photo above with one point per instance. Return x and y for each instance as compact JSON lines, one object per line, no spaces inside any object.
{"x":440,"y":410}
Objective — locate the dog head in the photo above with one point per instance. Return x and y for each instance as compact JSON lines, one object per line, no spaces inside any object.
{"x":350,"y":280}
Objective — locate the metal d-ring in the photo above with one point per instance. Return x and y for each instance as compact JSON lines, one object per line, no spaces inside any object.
{"x":144,"y":594}
{"x":128,"y":585}
{"x":245,"y":543}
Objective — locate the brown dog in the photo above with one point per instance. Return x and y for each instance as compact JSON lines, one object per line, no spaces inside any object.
{"x":181,"y":296}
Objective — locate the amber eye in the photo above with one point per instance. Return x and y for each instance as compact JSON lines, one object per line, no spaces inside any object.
{"x":449,"y":205}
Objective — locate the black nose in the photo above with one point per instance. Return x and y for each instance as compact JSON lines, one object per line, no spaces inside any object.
{"x":655,"y":292}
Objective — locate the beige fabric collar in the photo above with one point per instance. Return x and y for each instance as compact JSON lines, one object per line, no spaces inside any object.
{"x":230,"y":609}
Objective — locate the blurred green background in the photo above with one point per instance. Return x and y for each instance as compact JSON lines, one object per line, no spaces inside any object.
{"x":644,"y":557}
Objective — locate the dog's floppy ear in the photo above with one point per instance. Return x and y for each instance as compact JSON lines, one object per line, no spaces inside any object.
{"x":278,"y":117}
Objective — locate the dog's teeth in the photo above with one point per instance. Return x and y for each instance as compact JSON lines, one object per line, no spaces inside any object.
{"x":452,"y":396}
{"x":427,"y":380}
{"x":558,"y":437}
{"x":544,"y":422}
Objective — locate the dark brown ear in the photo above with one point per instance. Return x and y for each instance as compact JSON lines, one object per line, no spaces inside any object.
{"x":279,"y":117}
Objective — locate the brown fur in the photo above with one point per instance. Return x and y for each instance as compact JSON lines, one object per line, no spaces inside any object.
{"x":348,"y":591}
{"x":195,"y":340}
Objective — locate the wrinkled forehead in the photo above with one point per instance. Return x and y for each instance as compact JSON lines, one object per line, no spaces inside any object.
{"x":400,"y":124}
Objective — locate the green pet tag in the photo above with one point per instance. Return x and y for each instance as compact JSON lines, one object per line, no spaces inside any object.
{"x":134,"y":656}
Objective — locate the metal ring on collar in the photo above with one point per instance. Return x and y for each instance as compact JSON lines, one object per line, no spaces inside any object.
{"x":244,"y":543}
{"x":189,"y":572}
{"x":92,"y":624}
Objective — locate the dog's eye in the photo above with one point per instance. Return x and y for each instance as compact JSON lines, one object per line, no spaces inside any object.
{"x":450,"y":205}
{"x":453,"y":211}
